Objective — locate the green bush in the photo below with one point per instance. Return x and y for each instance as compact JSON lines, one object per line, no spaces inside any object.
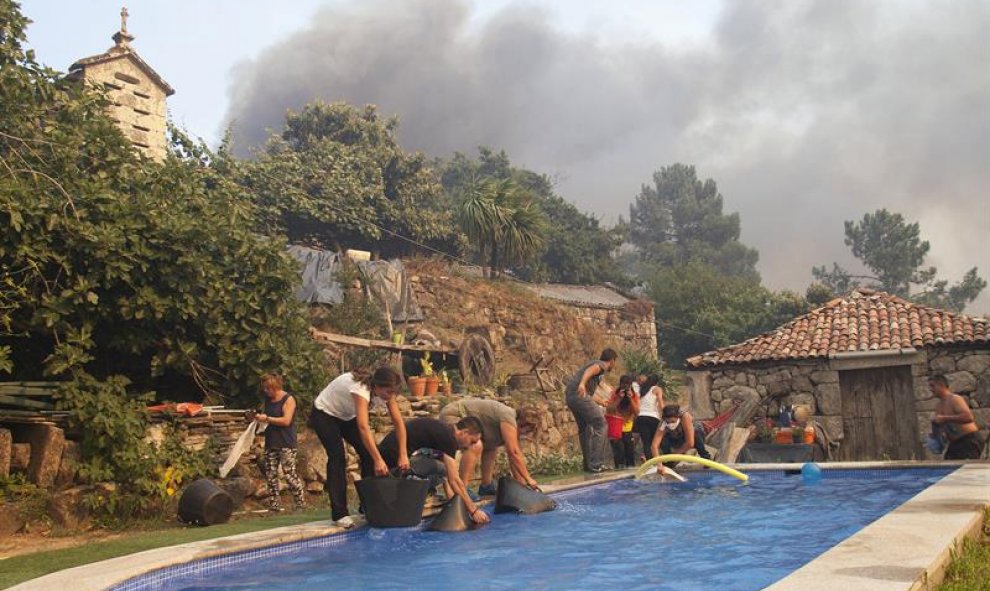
{"x":128,"y":279}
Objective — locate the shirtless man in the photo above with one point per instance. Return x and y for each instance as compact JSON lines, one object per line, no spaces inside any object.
{"x":957,"y":422}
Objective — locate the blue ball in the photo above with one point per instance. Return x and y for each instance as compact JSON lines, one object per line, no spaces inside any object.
{"x":811,"y":473}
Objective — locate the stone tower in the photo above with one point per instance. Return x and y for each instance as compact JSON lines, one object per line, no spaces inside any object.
{"x":136,"y":90}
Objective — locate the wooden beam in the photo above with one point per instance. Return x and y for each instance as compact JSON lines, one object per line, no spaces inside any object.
{"x":25,"y":403}
{"x":342,"y":339}
{"x":27,"y":388}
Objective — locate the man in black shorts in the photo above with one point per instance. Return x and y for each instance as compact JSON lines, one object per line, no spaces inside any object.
{"x":435,"y":445}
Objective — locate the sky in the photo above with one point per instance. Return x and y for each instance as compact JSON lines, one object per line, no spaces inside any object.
{"x":806,"y":113}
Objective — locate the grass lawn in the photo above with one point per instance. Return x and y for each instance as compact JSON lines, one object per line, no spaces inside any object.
{"x":18,"y":569}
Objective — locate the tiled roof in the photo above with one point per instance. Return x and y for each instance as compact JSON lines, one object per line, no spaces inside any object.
{"x":865,"y":320}
{"x":581,"y":295}
{"x":115,"y":53}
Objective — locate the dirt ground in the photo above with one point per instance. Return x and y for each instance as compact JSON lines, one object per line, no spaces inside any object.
{"x":29,"y":543}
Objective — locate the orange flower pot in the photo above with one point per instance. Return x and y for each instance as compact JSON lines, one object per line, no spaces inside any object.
{"x":417,"y":386}
{"x":432,"y":385}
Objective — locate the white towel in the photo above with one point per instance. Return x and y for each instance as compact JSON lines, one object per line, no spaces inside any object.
{"x":242,"y":445}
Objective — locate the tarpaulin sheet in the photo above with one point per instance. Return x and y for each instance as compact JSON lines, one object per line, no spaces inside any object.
{"x":385,"y":281}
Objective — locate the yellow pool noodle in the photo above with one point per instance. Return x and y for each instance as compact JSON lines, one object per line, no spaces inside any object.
{"x":694,"y":459}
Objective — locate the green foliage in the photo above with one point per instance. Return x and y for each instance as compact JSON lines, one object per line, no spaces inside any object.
{"x":115,"y":449}
{"x":699,"y":309}
{"x":892,"y":250}
{"x":124,"y":277}
{"x":337,"y":177}
{"x":579,"y":250}
{"x":640,"y":362}
{"x":503,"y":221}
{"x":552,"y":464}
{"x":679,"y":220}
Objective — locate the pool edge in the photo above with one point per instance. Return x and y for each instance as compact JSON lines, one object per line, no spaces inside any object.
{"x":909,"y":548}
{"x":103,"y":575}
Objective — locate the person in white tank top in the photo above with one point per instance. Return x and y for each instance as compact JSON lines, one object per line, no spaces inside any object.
{"x":650,"y":403}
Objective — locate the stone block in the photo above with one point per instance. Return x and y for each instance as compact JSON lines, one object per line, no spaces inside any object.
{"x":961,"y":382}
{"x":6,"y":450}
{"x":825,"y":377}
{"x":801,"y":383}
{"x":11,"y":520}
{"x":829,"y":398}
{"x":68,"y":508}
{"x":942,"y":364}
{"x":238,"y":488}
{"x":982,"y":417}
{"x":20,"y":456}
{"x":926,"y":405}
{"x":976,"y":363}
{"x":312,"y":459}
{"x":47,"y":443}
{"x":778,"y":388}
{"x":69,"y":466}
{"x":981,"y":395}
{"x":743,"y":393}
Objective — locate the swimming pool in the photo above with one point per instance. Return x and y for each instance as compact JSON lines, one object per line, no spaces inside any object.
{"x":711,"y":533}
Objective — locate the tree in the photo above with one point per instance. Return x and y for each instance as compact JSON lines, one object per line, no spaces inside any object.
{"x":336,"y":176}
{"x":504,"y":222}
{"x":893,"y":252}
{"x":679,"y":220}
{"x":699,"y":308}
{"x":580,"y":250}
{"x":125,"y":279}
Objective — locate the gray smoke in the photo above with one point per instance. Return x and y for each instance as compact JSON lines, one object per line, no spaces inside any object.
{"x":806,"y":113}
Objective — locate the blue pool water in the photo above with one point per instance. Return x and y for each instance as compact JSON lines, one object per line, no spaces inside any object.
{"x":711,"y":533}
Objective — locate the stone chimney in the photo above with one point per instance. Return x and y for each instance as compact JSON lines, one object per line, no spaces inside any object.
{"x":135,"y":89}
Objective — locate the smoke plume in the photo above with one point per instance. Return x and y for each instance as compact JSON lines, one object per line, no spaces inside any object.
{"x":806,"y":113}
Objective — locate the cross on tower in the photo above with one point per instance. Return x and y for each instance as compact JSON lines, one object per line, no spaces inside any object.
{"x":123,"y":19}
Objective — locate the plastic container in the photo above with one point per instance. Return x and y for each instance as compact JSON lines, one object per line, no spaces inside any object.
{"x":392,"y":502}
{"x":783,"y":436}
{"x":204,"y":503}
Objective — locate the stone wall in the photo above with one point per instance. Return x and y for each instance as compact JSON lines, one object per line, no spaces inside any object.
{"x":634,"y":325}
{"x":816,"y":384}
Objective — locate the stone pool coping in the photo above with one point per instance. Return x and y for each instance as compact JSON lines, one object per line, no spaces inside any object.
{"x":905,"y":550}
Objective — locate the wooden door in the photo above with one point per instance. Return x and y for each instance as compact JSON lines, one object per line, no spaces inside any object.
{"x":878,"y":415}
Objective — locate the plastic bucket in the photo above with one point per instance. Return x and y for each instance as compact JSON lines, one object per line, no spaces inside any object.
{"x":784,"y":436}
{"x":204,"y":503}
{"x":392,"y":502}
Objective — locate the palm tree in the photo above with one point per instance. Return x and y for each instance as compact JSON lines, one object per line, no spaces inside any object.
{"x":503,"y":221}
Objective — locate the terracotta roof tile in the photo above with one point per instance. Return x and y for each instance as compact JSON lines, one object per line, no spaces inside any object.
{"x":865,"y":320}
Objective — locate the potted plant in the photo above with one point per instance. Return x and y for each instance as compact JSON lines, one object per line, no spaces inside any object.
{"x":764,"y":431}
{"x":445,"y":386}
{"x":432,"y":381}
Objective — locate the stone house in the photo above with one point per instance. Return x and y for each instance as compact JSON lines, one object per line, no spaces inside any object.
{"x":137,"y":92}
{"x":861,"y":364}
{"x":621,"y":317}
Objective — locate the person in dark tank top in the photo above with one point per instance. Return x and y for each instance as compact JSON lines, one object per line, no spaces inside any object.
{"x":280,"y":441}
